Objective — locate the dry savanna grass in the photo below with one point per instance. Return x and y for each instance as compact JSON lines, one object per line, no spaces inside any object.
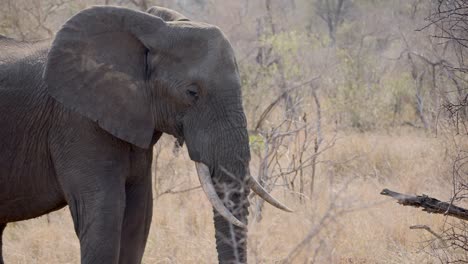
{"x":346,"y":219}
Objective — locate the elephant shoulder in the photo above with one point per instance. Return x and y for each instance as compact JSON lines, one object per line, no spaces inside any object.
{"x":21,"y":63}
{"x":12,"y":50}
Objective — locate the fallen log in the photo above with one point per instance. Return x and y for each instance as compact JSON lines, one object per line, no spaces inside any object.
{"x":429,"y":204}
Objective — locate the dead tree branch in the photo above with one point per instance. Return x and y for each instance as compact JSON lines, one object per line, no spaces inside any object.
{"x":429,"y":204}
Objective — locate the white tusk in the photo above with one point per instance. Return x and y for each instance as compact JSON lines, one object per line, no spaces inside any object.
{"x":260,"y":191}
{"x":207,"y":186}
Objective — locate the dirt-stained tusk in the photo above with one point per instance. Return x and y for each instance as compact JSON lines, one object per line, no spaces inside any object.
{"x":260,"y":191}
{"x":207,"y":186}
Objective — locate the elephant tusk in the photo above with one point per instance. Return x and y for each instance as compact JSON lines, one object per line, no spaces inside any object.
{"x":260,"y":191}
{"x":207,"y":186}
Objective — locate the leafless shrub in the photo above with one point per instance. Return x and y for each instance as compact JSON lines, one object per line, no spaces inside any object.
{"x":449,"y":20}
{"x":288,"y":152}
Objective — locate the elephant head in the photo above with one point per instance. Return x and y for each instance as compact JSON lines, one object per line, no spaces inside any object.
{"x":137,"y":73}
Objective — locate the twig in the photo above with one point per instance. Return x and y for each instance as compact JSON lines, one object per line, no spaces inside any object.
{"x":171,"y":191}
{"x":267,"y":111}
{"x":428,"y":229}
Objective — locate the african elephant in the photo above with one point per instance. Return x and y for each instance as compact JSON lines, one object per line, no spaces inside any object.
{"x":81,"y":113}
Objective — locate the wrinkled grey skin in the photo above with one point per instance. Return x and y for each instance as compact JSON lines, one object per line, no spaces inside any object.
{"x":79,"y":117}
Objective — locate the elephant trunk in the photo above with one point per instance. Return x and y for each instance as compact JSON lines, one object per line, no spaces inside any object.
{"x":227,"y":184}
{"x":231,"y":184}
{"x":229,"y":174}
{"x":218,"y":142}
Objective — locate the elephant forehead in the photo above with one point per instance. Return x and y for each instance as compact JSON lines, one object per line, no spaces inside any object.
{"x":215,"y":74}
{"x":220,"y":61}
{"x":208,"y":44}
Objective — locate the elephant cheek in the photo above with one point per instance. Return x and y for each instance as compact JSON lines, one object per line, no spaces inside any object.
{"x":199,"y":145}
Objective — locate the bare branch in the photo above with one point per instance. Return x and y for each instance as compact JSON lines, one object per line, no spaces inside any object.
{"x":429,"y":204}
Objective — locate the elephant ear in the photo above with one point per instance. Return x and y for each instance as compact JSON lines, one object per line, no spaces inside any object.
{"x":166,"y":14}
{"x":97,"y":67}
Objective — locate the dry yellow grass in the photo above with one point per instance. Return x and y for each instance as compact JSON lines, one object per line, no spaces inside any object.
{"x":377,"y":231}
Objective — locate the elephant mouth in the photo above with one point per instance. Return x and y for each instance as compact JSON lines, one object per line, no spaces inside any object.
{"x":178,"y":134}
{"x":179,"y":131}
{"x":206,"y":182}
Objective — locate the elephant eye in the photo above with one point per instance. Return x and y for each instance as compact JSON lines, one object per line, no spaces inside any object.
{"x":192,"y":91}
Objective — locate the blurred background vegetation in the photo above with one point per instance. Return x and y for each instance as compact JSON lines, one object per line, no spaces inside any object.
{"x":343,"y":98}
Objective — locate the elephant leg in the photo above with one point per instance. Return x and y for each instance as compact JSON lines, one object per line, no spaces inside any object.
{"x":92,"y":169}
{"x":136,"y":224}
{"x":98,"y":221}
{"x":98,"y":225}
{"x":139,"y":207}
{"x":97,"y":207}
{"x":2,"y":227}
